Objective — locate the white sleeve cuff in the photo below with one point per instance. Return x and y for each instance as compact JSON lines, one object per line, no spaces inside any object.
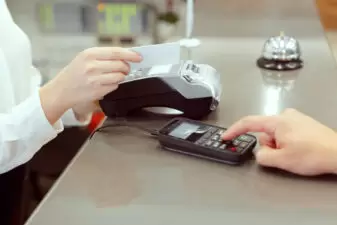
{"x":25,"y":131}
{"x":58,"y":126}
{"x":30,"y":124}
{"x":30,"y":112}
{"x":69,"y":119}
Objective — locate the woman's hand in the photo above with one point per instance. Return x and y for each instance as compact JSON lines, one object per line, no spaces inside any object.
{"x":83,"y":112}
{"x":90,"y":76}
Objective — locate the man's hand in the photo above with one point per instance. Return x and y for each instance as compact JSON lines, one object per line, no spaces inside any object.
{"x":291,"y":141}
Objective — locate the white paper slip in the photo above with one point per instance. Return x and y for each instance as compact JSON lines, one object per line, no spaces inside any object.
{"x":160,"y":54}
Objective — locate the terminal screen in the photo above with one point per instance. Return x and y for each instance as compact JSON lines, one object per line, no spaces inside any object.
{"x":189,"y":131}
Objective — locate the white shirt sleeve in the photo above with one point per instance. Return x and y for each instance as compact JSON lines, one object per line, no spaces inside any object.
{"x":24,"y":128}
{"x":23,"y":132}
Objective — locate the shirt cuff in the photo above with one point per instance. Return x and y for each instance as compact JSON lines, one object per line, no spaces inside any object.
{"x":69,"y":119}
{"x":30,"y":114}
{"x":58,"y":126}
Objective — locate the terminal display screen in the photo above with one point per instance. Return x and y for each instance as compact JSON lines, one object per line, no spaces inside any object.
{"x":189,"y":131}
{"x":184,"y":130}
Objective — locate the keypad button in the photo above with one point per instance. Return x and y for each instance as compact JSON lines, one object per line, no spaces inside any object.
{"x":193,"y":67}
{"x":207,"y":135}
{"x":216,"y":144}
{"x":216,"y":137}
{"x":213,"y":130}
{"x":208,"y":143}
{"x":221,"y":132}
{"x":233,"y":149}
{"x":243,"y":144}
{"x":245,"y":138}
{"x":223,"y":146}
{"x":188,"y":78}
{"x":236,"y":142}
{"x":200,"y":141}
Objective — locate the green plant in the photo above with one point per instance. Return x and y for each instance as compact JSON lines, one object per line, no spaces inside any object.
{"x":169,"y":17}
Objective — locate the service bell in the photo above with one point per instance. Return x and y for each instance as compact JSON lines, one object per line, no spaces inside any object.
{"x":281,"y":53}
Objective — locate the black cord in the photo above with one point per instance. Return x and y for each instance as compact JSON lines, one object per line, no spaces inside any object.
{"x":152,"y":132}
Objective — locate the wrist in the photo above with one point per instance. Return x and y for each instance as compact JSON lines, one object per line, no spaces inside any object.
{"x":334,"y":166}
{"x":97,"y":107}
{"x":53,"y":102}
{"x":332,"y":158}
{"x":82,"y":114}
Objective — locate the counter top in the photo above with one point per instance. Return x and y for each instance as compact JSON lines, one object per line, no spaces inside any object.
{"x":123,"y":177}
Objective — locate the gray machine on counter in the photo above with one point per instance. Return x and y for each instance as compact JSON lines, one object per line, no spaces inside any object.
{"x":193,"y":89}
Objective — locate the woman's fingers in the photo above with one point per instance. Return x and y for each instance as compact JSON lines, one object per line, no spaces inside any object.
{"x":107,"y":79}
{"x":112,"y":53}
{"x":97,"y":67}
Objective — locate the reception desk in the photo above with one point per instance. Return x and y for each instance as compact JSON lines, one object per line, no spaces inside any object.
{"x":123,"y":177}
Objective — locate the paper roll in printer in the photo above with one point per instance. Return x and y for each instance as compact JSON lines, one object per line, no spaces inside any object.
{"x":193,"y":89}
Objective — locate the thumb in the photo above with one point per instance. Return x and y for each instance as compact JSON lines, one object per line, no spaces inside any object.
{"x":270,"y":157}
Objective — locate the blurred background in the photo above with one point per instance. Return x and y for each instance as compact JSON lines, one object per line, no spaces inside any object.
{"x":59,"y":29}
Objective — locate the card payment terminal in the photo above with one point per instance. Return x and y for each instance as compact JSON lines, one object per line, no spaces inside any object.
{"x":194,"y":89}
{"x":203,"y":140}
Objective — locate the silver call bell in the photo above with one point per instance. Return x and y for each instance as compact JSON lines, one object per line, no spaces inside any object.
{"x":281,"y":53}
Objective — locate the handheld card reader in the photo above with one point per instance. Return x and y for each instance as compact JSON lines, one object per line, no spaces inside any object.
{"x":191,"y":137}
{"x":203,"y":140}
